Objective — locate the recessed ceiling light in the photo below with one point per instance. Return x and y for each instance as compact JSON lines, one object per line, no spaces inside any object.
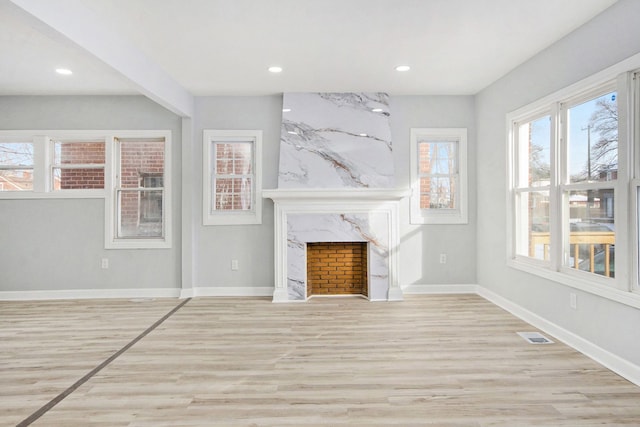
{"x":275,"y":69}
{"x":363,"y":134}
{"x":377,"y":110}
{"x":286,"y":110}
{"x":64,"y":71}
{"x":403,"y":68}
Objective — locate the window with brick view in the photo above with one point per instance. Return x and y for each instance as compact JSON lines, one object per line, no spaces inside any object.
{"x":78,"y":165}
{"x":438,"y":176}
{"x":140,"y":190}
{"x":233,"y":176}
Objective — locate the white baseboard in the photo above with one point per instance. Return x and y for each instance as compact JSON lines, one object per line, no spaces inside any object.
{"x":89,"y":294}
{"x":609,"y":360}
{"x":439,"y":289}
{"x":231,"y":291}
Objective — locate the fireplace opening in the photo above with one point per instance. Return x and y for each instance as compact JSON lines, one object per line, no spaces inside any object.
{"x":337,"y":268}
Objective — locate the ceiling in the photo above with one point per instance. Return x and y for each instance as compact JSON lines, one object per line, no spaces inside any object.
{"x":224,"y":47}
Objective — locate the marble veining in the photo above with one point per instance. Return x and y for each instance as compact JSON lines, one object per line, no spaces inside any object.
{"x":336,"y":140}
{"x":368,"y":227}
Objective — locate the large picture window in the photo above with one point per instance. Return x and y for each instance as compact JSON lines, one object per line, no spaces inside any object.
{"x":231,"y":177}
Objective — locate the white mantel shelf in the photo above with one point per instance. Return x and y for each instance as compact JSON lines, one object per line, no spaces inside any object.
{"x":323,"y":195}
{"x":304,"y":215}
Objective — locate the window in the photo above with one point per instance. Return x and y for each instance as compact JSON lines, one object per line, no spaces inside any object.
{"x":232,"y":177}
{"x":532,"y":186}
{"x":438,"y":176}
{"x":140,"y":192}
{"x":77,"y":165}
{"x":569,"y":187}
{"x":16,"y":166}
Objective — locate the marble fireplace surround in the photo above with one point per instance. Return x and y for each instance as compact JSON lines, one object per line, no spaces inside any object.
{"x":336,"y":183}
{"x":344,"y":215}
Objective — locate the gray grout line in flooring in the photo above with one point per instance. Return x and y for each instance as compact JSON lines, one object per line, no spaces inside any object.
{"x":53,"y":402}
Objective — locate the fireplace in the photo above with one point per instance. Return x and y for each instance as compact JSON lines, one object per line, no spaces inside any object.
{"x":336,"y":184}
{"x":337,"y":268}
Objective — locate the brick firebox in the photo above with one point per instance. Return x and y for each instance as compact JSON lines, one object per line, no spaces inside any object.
{"x":337,"y":268}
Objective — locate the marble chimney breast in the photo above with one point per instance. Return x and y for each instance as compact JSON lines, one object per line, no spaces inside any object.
{"x":335,"y":140}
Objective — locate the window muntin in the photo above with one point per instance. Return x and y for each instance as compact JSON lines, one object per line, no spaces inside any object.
{"x":438,"y":176}
{"x":78,"y":165}
{"x":232,"y":177}
{"x":139,"y":188}
{"x":16,"y":166}
{"x":438,"y":171}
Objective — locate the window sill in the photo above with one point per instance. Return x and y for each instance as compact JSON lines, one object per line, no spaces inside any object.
{"x":63,"y":194}
{"x":232,"y":219}
{"x":138,"y":244}
{"x":594,"y":287}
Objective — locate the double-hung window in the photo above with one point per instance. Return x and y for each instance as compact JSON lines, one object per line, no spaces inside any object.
{"x":232,"y":177}
{"x":140,"y":195}
{"x":439,"y":175}
{"x":569,"y":186}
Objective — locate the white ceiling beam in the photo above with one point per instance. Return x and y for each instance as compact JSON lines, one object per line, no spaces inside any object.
{"x":88,"y":31}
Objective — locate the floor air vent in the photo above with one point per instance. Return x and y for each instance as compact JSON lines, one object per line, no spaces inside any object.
{"x":535,"y":338}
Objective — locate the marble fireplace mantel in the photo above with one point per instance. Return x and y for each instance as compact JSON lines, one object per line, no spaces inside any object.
{"x":346,"y":214}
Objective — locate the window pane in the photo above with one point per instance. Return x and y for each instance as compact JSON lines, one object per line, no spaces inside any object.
{"x":533,"y":210}
{"x":437,"y":193}
{"x":233,"y":158}
{"x":438,"y":168}
{"x":78,"y":178}
{"x":534,"y":140}
{"x":16,"y":179}
{"x":78,"y":153}
{"x":139,"y":159}
{"x":140,"y":213}
{"x":233,"y":194}
{"x":233,"y":176}
{"x":16,"y":154}
{"x":593,"y":140}
{"x":592,"y":231}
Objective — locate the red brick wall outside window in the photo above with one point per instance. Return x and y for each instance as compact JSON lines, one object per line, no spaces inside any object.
{"x":141,"y":188}
{"x":78,"y":165}
{"x":233,"y":176}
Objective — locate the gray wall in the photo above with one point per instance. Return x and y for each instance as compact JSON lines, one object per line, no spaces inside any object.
{"x":609,"y":38}
{"x":421,"y":245}
{"x":252,"y":245}
{"x":49,"y":244}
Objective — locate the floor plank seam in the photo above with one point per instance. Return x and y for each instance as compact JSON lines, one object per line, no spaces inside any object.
{"x":53,"y":402}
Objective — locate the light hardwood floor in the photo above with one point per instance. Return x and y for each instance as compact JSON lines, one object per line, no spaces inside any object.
{"x":430,"y":360}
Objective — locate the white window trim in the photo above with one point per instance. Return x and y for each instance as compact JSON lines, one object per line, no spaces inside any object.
{"x":110,"y":238}
{"x":437,"y":216}
{"x":623,"y":288}
{"x":231,"y":218}
{"x":43,"y":161}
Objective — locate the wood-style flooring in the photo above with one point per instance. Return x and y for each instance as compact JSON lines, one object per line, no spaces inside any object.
{"x":430,"y":360}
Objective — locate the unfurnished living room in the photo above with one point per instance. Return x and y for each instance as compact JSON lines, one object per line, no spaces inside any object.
{"x":319,"y":212}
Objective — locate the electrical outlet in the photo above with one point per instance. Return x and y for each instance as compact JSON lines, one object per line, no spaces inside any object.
{"x":105,"y":263}
{"x":573,"y":301}
{"x":234,"y":264}
{"x":443,"y":258}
